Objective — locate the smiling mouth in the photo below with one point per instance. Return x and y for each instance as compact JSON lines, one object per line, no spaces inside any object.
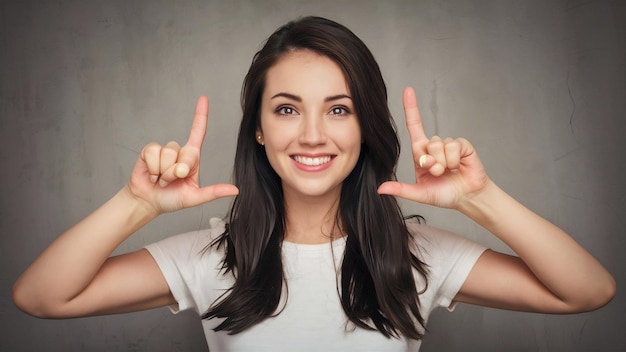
{"x":311,"y":161}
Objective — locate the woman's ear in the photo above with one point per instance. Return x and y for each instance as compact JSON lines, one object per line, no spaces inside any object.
{"x":259,"y":137}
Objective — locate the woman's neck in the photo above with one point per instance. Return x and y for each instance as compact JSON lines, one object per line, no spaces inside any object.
{"x":311,"y":220}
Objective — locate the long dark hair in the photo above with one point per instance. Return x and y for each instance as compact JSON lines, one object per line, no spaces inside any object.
{"x":377,"y":289}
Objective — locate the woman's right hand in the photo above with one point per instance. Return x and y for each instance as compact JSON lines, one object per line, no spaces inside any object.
{"x":166,"y":177}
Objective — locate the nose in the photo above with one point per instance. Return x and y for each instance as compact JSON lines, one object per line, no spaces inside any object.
{"x":313,"y":131}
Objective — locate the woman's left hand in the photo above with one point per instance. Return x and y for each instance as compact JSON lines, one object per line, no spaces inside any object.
{"x":446,"y":170}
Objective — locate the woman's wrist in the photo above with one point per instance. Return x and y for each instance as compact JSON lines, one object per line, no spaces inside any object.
{"x":140,"y":211}
{"x":485,"y":207}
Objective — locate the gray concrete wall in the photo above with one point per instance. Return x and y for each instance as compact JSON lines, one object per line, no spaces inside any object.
{"x":538,"y":86}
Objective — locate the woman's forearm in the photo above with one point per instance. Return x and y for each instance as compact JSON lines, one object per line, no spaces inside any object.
{"x":69,"y":264}
{"x":562,"y":265}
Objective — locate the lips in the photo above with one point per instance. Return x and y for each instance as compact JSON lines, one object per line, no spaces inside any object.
{"x":312,"y":161}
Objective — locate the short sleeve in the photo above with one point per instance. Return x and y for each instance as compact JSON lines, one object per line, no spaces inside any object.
{"x":449,"y":257}
{"x":189,"y":266}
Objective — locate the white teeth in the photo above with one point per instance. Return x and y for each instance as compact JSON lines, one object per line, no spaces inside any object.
{"x":311,"y":161}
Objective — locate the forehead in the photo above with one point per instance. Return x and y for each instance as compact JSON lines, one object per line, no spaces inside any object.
{"x":305,"y":72}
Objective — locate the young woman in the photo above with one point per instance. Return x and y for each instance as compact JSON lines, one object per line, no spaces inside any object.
{"x":316,"y":253}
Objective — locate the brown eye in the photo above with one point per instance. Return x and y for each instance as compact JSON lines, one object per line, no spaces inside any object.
{"x":339,"y":110}
{"x":285,"y":110}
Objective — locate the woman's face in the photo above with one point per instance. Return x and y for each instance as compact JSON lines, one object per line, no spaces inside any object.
{"x":308,"y":125}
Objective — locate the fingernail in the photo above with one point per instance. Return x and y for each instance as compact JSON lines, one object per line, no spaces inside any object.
{"x":163,"y":183}
{"x":422,"y":160}
{"x":153,"y":178}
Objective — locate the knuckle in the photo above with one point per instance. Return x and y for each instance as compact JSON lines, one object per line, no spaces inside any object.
{"x":463,"y":141}
{"x":151,"y":149}
{"x":172,"y":145}
{"x":453,"y":145}
{"x":169,"y":152}
{"x":449,"y":140}
{"x":150,"y":155}
{"x":435,"y":146}
{"x":435,"y":139}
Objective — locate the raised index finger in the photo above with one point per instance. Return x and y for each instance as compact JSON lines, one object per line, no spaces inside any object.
{"x":198,"y":126}
{"x":412,"y":114}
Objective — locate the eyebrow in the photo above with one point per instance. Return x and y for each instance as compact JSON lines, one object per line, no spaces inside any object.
{"x":299,"y":99}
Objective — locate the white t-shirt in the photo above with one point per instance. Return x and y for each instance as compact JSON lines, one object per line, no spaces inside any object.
{"x":312,"y":319}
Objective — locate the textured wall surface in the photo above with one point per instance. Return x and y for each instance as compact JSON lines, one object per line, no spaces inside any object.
{"x":539,"y":87}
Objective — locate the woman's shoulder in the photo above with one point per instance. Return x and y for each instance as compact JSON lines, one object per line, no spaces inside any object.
{"x":424,"y":234}
{"x":432,"y":242}
{"x":449,"y":258}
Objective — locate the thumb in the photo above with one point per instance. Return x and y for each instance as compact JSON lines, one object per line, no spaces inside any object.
{"x":403,"y":190}
{"x":209,"y":193}
{"x":392,"y":188}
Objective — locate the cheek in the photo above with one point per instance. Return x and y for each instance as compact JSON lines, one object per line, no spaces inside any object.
{"x":277,"y":140}
{"x":349,"y":138}
{"x":270,"y":139}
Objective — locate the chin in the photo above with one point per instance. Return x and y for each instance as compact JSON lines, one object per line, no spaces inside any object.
{"x":314,"y":190}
